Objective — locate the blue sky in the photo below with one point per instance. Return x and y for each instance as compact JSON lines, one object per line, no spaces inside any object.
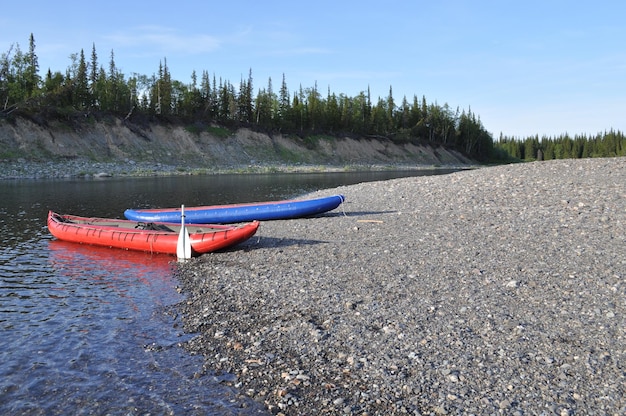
{"x":533,"y":67}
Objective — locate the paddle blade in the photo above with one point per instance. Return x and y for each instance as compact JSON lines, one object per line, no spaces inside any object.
{"x":183,"y":246}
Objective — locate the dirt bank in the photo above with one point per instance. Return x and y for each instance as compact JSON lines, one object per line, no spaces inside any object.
{"x":120,"y":140}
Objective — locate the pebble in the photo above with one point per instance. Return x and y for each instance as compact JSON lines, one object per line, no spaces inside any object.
{"x":83,"y":168}
{"x":498,"y":290}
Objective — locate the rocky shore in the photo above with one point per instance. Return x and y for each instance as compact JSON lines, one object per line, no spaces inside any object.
{"x":494,"y":291}
{"x":84,"y":168}
{"x":25,"y":169}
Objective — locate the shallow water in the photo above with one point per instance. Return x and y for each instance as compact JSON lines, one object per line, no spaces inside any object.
{"x":88,"y":330}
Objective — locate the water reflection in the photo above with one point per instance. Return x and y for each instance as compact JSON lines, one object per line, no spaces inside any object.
{"x":122,"y":273}
{"x":110,"y":266}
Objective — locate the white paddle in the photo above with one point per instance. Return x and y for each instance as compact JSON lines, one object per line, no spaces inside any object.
{"x":183,"y":246}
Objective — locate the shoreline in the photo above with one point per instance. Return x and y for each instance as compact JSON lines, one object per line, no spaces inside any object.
{"x":24,"y":169}
{"x":491,"y":291}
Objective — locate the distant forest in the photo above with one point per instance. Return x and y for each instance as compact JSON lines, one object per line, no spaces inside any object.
{"x":87,"y":88}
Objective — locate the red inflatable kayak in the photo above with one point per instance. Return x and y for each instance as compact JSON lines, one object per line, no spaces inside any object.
{"x":150,"y":237}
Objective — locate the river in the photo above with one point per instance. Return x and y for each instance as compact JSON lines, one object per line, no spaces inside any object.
{"x":87,"y":330}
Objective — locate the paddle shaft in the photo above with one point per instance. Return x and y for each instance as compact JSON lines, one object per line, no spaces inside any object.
{"x":183,"y":247}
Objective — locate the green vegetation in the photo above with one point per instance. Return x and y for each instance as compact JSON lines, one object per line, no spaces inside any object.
{"x":219,"y":131}
{"x":86,"y":88}
{"x":607,"y":144}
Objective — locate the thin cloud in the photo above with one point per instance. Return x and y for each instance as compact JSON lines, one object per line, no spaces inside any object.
{"x":164,"y":40}
{"x":356,"y":75}
{"x":299,"y":51}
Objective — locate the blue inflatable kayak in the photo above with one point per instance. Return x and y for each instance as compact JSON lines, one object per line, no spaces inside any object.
{"x":226,"y":214}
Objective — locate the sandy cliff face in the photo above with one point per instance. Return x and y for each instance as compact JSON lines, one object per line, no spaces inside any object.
{"x":120,"y":140}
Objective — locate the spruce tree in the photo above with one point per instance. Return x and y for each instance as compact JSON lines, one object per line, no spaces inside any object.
{"x":31,"y":75}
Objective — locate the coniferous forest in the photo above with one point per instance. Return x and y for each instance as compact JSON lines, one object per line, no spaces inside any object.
{"x":88,"y":88}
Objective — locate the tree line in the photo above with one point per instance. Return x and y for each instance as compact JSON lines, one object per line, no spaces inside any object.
{"x":88,"y":87}
{"x":610,"y":143}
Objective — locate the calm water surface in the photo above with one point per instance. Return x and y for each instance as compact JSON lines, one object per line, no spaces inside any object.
{"x":87,"y":330}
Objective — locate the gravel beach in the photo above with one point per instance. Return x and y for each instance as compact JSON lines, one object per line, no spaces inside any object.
{"x":498,"y":290}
